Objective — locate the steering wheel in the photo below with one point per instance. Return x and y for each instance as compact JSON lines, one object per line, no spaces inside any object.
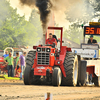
{"x":52,"y":45}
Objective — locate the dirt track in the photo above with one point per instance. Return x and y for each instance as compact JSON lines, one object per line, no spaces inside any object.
{"x":16,"y":90}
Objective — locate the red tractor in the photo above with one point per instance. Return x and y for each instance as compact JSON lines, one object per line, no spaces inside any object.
{"x":60,"y":67}
{"x":3,"y":67}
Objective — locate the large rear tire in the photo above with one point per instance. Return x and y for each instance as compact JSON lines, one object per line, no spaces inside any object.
{"x":56,"y":77}
{"x":29,"y":77}
{"x":71,"y":70}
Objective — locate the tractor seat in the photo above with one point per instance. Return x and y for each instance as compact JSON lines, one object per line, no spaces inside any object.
{"x":54,"y":36}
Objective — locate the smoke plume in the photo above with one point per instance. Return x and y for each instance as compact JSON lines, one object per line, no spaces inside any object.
{"x":44,"y":7}
{"x":80,"y":12}
{"x":28,"y":2}
{"x":61,"y":9}
{"x":74,"y":9}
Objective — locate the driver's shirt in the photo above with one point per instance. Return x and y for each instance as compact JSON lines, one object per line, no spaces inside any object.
{"x":51,"y":41}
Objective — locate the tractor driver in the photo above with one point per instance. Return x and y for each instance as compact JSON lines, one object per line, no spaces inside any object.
{"x":51,"y":40}
{"x":91,"y":40}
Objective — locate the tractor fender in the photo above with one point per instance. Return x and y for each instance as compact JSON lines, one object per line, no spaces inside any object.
{"x":63,"y":70}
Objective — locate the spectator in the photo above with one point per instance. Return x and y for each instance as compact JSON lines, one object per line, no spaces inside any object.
{"x":22,"y":64}
{"x":17,"y":64}
{"x":6,"y":55}
{"x":91,"y":40}
{"x":10,"y":63}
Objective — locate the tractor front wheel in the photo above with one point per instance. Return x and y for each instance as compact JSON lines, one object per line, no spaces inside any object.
{"x":29,"y":77}
{"x":56,"y":77}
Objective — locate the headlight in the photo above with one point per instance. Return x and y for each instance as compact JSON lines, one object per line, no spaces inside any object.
{"x":58,"y":62}
{"x":38,"y":49}
{"x":48,"y":50}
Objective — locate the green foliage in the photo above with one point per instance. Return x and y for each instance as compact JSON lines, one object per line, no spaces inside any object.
{"x":75,"y":34}
{"x":15,"y":30}
{"x":4,"y":8}
{"x":97,"y":38}
{"x":96,"y":5}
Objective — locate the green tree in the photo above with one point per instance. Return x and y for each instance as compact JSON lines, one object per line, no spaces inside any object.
{"x":15,"y":30}
{"x":4,"y":10}
{"x":92,"y":11}
{"x":75,"y":34}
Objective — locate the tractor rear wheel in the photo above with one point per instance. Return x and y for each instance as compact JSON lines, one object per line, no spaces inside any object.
{"x":56,"y":77}
{"x":71,"y":70}
{"x":29,"y":77}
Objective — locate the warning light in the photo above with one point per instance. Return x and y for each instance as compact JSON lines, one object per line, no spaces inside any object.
{"x":82,"y":25}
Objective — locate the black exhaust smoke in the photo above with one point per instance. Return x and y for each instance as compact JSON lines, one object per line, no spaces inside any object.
{"x":44,"y":7}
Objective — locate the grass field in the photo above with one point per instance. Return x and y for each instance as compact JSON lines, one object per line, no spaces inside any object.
{"x":2,"y":77}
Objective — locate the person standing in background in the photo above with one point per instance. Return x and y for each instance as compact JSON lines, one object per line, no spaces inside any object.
{"x":91,"y":40}
{"x":17,"y":64}
{"x":10,"y":64}
{"x":6,"y":54}
{"x":22,"y":64}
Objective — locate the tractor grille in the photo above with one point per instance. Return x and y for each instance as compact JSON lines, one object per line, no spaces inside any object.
{"x":43,"y":59}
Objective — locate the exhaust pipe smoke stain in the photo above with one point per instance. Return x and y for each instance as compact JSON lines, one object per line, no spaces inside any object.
{"x":44,"y":7}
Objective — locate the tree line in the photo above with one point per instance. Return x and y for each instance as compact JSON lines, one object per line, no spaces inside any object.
{"x":15,"y":30}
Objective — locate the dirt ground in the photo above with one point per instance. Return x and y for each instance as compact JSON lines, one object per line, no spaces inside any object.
{"x":16,"y":90}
